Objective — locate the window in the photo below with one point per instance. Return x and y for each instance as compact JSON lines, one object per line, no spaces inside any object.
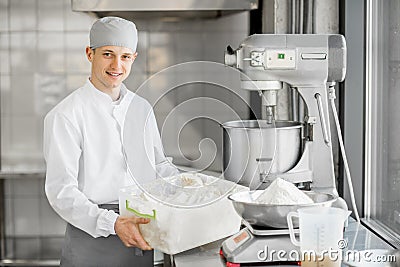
{"x":382,"y":119}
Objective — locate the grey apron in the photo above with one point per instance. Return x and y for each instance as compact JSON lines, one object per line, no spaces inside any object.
{"x":82,"y":250}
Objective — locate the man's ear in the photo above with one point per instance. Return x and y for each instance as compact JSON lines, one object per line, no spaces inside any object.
{"x":134,"y":56}
{"x":89,"y":53}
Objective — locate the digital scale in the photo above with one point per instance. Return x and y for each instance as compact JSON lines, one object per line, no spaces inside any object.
{"x":254,"y":245}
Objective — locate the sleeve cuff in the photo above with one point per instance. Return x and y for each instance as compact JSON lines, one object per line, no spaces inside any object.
{"x":106,"y":223}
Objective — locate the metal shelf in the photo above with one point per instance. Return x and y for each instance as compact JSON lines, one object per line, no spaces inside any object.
{"x":27,"y":263}
{"x":22,"y":175}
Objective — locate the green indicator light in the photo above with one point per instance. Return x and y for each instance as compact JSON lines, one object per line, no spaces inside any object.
{"x":281,"y":56}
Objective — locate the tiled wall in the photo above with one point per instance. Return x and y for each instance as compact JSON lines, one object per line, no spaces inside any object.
{"x":42,"y":59}
{"x":33,"y":230}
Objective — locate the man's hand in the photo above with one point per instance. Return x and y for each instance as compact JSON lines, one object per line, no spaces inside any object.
{"x":127,"y":229}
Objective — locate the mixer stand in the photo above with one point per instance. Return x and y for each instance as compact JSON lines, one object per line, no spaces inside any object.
{"x":254,"y":246}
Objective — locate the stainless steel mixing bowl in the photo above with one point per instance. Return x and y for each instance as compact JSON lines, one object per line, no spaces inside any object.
{"x":273,"y":215}
{"x":250,"y":145}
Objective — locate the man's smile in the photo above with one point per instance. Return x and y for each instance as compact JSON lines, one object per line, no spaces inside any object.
{"x":114,"y":74}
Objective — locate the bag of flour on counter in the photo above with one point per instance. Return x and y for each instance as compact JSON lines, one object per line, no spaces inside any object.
{"x":186,"y":211}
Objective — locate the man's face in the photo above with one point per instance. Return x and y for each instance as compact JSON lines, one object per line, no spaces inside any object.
{"x":111,"y":65}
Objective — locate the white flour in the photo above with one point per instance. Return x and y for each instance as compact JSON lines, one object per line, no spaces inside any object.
{"x":281,"y":192}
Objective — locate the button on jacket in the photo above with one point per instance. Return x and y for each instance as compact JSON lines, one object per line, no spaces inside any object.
{"x":93,"y":147}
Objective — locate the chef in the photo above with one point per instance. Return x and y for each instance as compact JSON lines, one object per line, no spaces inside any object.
{"x":86,"y":158}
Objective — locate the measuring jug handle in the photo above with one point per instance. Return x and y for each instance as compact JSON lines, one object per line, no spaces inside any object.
{"x":291,"y":228}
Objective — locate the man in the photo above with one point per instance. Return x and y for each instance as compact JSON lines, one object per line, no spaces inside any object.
{"x":86,"y":159}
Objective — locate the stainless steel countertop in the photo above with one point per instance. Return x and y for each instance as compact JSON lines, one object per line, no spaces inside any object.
{"x":34,"y":174}
{"x":357,"y":236}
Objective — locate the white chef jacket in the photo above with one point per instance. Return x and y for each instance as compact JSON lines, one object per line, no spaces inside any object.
{"x":87,"y":158}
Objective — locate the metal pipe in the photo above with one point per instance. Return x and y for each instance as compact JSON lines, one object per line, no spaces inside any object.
{"x":308,"y":16}
{"x":301,"y":16}
{"x":2,"y":207}
{"x":314,"y":17}
{"x":2,"y":221}
{"x":294,"y":19}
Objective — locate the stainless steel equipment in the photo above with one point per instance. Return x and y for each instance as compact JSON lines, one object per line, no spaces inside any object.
{"x":155,"y":9}
{"x":265,"y":230}
{"x":254,"y":149}
{"x":309,"y":64}
{"x":266,"y":215}
{"x":266,"y":226}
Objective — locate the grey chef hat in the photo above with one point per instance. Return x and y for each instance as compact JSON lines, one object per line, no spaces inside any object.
{"x":113,"y":31}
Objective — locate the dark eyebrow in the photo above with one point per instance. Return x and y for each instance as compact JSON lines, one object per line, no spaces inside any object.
{"x":111,"y":51}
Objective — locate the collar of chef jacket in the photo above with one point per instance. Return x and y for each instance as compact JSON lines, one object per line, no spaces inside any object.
{"x":104,"y":101}
{"x":105,"y":98}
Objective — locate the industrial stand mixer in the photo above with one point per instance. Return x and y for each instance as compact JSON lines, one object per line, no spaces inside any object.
{"x":311,"y":65}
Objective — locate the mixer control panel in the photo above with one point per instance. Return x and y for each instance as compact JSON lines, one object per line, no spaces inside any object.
{"x":280,"y":59}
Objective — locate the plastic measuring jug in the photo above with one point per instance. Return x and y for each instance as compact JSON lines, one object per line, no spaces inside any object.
{"x":321,"y":234}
